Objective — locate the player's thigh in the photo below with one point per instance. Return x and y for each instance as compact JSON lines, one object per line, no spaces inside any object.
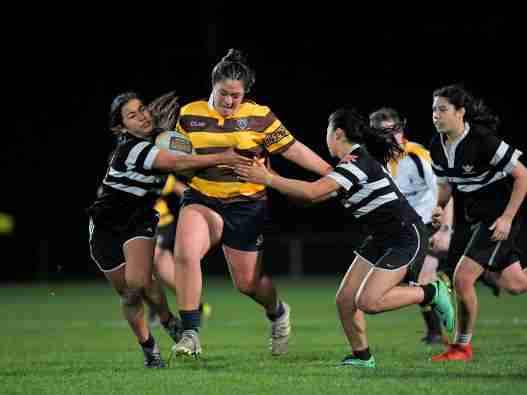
{"x":466,"y":273}
{"x":353,"y":280}
{"x":117,"y":278}
{"x":429,"y":270}
{"x":139,"y":254}
{"x":244,"y":266}
{"x":513,"y":278}
{"x":198,"y":229}
{"x":379,"y":282}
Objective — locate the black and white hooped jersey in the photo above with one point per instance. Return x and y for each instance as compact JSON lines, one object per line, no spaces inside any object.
{"x":369,"y":192}
{"x":130,"y":185}
{"x":478,"y":166}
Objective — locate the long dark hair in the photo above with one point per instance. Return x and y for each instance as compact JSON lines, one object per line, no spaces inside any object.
{"x":387,"y":114}
{"x":382,"y":146}
{"x":233,"y":66}
{"x":116,"y":117}
{"x":164,"y":110}
{"x":475,"y":110}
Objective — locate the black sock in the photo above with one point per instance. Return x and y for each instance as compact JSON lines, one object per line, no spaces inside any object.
{"x":191,"y":319}
{"x":430,"y":292}
{"x":148,"y":343}
{"x":433,"y":324}
{"x":362,"y":354}
{"x":166,"y":323}
{"x":278,"y":314}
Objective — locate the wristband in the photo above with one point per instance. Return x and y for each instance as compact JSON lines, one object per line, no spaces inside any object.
{"x":445,"y":228}
{"x":268,"y":180}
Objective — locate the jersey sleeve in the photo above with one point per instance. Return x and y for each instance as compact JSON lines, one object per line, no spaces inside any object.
{"x":141,"y":155}
{"x":276,"y":136}
{"x":347,"y":175}
{"x":501,"y":155}
{"x":437,"y":167}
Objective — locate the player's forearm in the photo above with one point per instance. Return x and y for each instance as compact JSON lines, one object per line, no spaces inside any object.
{"x":519,"y":190}
{"x":308,"y":159}
{"x":295,"y":188}
{"x":177,"y":163}
{"x":444,"y":193}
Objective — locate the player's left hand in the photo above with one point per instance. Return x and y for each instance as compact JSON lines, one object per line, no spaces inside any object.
{"x":440,"y":242}
{"x":502,"y":228}
{"x":256,"y":173}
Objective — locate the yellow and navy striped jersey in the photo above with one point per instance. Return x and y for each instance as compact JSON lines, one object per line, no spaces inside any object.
{"x":166,"y":216}
{"x":413,"y":174}
{"x":253,"y":131}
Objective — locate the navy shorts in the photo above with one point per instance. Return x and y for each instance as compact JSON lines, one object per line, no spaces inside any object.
{"x":243,"y":221}
{"x":492,"y":255}
{"x":106,"y":243}
{"x":406,"y":245}
{"x":166,"y":236}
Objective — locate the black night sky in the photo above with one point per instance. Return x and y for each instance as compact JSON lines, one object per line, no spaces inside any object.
{"x":306,"y":66}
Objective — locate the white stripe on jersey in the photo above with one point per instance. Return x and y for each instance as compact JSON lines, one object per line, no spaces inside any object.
{"x":344,"y":181}
{"x":132,"y":175}
{"x":474,"y":187}
{"x":374,"y":204}
{"x":509,"y":167}
{"x":341,"y":180}
{"x":368,"y":189}
{"x":354,"y":170}
{"x":149,"y":161}
{"x":500,"y":153}
{"x":131,"y":159}
{"x":127,"y":188}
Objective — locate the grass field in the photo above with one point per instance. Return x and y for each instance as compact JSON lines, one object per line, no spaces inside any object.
{"x":69,"y":338}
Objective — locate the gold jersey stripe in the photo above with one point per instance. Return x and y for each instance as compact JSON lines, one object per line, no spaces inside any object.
{"x":218,"y":189}
{"x":254,"y":129}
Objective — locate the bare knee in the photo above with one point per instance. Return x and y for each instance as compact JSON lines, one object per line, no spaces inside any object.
{"x":517,"y":289}
{"x":463,"y":284}
{"x":130,"y":296}
{"x":245,"y":286}
{"x":368,"y":304}
{"x":343,"y":301}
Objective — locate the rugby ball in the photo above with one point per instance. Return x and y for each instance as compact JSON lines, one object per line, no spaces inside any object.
{"x":175,"y":142}
{"x":178,"y":144}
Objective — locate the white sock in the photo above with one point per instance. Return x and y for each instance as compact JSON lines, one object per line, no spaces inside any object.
{"x":463,"y":338}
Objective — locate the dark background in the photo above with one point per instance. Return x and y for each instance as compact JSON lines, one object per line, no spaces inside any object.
{"x":66,"y":72}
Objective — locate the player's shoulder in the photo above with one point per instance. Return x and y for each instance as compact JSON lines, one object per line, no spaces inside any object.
{"x":417,"y":149}
{"x":198,"y":107}
{"x":251,"y":108}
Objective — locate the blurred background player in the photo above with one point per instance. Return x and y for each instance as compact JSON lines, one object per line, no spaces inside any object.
{"x":489,"y":184}
{"x":413,"y":174}
{"x":122,"y":220}
{"x":165,"y":109}
{"x":376,"y":208}
{"x":167,"y":205}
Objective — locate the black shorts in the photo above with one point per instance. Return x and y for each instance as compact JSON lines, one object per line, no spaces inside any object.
{"x":106,"y":244}
{"x":404,"y":246}
{"x":166,"y":235}
{"x":492,"y":255}
{"x":243,"y":221}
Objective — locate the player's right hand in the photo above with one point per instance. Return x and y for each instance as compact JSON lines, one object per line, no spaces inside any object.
{"x":437,"y":213}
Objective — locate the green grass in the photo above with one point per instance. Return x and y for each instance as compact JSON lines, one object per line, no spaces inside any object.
{"x":69,"y":338}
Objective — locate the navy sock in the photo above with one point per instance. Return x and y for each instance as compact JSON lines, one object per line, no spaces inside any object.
{"x":148,"y":343}
{"x":362,"y":354}
{"x":430,"y":292}
{"x":433,"y":325}
{"x":279,"y":311}
{"x":168,"y":321}
{"x":191,"y":319}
